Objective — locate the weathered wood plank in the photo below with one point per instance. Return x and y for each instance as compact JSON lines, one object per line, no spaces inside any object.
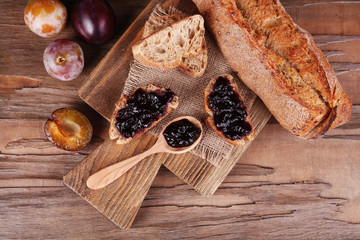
{"x":325,"y":16}
{"x":274,"y":212}
{"x":120,"y":200}
{"x":8,"y":84}
{"x":172,"y":209}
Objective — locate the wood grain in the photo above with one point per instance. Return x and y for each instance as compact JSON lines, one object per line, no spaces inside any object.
{"x":273,"y":211}
{"x":322,"y":22}
{"x":8,"y":84}
{"x":120,"y":200}
{"x":309,"y":194}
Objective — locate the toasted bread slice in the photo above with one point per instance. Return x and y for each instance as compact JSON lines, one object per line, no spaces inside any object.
{"x":191,"y":66}
{"x":166,"y":48}
{"x":114,"y":133}
{"x":210,"y":120}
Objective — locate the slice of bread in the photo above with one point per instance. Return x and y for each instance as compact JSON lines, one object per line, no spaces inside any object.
{"x":210,"y":120}
{"x":155,"y":24}
{"x":195,"y":66}
{"x":191,"y":66}
{"x":166,"y":48}
{"x":114,"y":133}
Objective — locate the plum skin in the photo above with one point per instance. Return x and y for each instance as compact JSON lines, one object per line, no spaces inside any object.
{"x":63,"y":59}
{"x":46,"y":18}
{"x":94,"y":21}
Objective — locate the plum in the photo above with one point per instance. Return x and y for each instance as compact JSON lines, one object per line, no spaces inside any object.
{"x":94,"y":21}
{"x":68,"y":129}
{"x":46,"y":18}
{"x":63,"y":59}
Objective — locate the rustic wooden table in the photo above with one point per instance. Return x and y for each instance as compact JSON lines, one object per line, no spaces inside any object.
{"x":283,"y":187}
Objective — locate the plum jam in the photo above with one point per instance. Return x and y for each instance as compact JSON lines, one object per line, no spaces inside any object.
{"x":182,"y":133}
{"x":229,"y":111}
{"x":141,"y":110}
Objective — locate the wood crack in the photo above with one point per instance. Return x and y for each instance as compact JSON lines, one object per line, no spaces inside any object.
{"x":343,"y":221}
{"x":260,"y":184}
{"x":207,"y":237}
{"x":252,"y":217}
{"x":197,"y":206}
{"x":347,"y":137}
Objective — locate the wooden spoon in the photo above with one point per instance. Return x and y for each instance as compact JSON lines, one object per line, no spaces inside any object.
{"x":109,"y":174}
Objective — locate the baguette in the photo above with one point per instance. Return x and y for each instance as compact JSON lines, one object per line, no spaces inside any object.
{"x":193,"y":66}
{"x":114,"y":133}
{"x":246,"y":137}
{"x":166,"y":48}
{"x":280,"y":62}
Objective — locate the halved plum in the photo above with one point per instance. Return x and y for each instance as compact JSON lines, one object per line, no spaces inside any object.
{"x":68,"y":129}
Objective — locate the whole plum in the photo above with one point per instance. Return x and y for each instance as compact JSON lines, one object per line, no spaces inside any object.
{"x":63,"y":59}
{"x":46,"y":18}
{"x":93,"y":20}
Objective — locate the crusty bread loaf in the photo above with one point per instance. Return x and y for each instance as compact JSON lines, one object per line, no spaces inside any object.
{"x":193,"y":66}
{"x":114,"y":133}
{"x":166,"y":48}
{"x":280,"y":62}
{"x":210,"y":120}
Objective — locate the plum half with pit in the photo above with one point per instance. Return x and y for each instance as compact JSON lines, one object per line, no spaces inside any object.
{"x":68,"y":129}
{"x":45,"y":18}
{"x":64,"y":59}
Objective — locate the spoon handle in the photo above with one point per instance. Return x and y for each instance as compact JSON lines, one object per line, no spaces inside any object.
{"x":109,"y":174}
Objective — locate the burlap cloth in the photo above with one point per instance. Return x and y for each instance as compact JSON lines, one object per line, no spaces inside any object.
{"x":212,"y":147}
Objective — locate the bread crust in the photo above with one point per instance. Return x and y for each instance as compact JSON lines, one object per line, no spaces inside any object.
{"x":210,"y":120}
{"x":114,"y":132}
{"x":255,"y":65}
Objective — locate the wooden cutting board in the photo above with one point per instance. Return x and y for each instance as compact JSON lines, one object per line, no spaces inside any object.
{"x":121,"y":200}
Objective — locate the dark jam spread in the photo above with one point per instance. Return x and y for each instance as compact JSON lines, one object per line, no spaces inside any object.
{"x":229,"y":110}
{"x":181,"y":133}
{"x":141,"y":110}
